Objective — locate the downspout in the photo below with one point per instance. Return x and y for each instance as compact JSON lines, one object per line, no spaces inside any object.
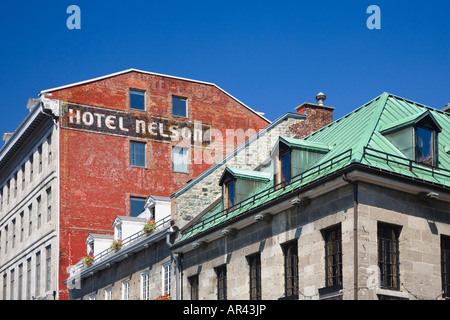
{"x":174,"y":257}
{"x":355,"y":234}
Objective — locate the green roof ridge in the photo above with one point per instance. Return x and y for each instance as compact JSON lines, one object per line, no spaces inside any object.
{"x":358,"y":150}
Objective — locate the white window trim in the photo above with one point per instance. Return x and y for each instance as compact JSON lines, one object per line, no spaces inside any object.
{"x":145,"y":99}
{"x":126,"y":289}
{"x":108,"y":293}
{"x":145,"y":275}
{"x":164,"y":278}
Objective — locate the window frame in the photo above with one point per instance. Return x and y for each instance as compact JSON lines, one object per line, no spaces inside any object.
{"x":291,"y":276}
{"x":140,"y":199}
{"x":186,"y":106}
{"x":193,"y":286}
{"x":255,"y":284}
{"x":389,"y":280}
{"x":166,"y":278}
{"x":126,"y":289}
{"x":221,"y":277}
{"x":185,"y":159}
{"x":132,"y":157}
{"x":333,"y":257}
{"x":145,"y":285}
{"x":433,"y":147}
{"x":129,"y":99}
{"x":445,"y":266}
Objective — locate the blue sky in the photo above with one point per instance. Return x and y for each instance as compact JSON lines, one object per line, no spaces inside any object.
{"x":272,"y":56}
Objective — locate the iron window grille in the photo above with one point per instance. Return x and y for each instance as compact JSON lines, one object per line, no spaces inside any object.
{"x":193,"y":282}
{"x":254,"y":262}
{"x":221,"y":282}
{"x":445,"y":266}
{"x":388,"y":256}
{"x":290,"y":251}
{"x":333,"y":257}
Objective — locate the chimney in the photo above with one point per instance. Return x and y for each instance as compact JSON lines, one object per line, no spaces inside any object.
{"x":447,"y":108}
{"x":317,"y":116}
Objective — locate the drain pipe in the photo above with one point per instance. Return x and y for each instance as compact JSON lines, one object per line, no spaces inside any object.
{"x":174,"y":257}
{"x":355,"y":234}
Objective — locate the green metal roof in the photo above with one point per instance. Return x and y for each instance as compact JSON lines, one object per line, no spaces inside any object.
{"x":305,"y":145}
{"x":239,"y":173}
{"x":356,"y":138}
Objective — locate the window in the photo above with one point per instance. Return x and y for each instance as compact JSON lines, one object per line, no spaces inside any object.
{"x":20,"y":282}
{"x":5,"y":286}
{"x":285,"y":168}
{"x":39,"y":211}
{"x":290,"y":251}
{"x":221,"y":273}
{"x":145,"y":286}
{"x":48,"y":267}
{"x":126,"y":289}
{"x":49,"y":204}
{"x":40,"y":158}
{"x":425,"y":146}
{"x":11,"y":288}
{"x":137,"y":154}
{"x":31,"y":168}
{"x":28,"y":284}
{"x":230,"y":194}
{"x":193,"y":282}
{"x":179,"y":106}
{"x":333,"y":257}
{"x":108,"y":293}
{"x":254,"y":262}
{"x":180,"y":159}
{"x":38,"y":273}
{"x":445,"y":265}
{"x":136,"y":206}
{"x":30,"y":219}
{"x":137,"y":99}
{"x":49,"y":149}
{"x":166,"y":278}
{"x":388,"y":256}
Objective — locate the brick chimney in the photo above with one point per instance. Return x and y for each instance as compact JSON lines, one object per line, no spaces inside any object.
{"x":317,"y":116}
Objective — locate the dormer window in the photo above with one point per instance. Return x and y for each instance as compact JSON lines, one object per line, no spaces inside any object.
{"x":230,"y":191}
{"x":426,"y":146}
{"x":416,"y":137}
{"x":285,"y":167}
{"x":240,"y":184}
{"x":294,"y":157}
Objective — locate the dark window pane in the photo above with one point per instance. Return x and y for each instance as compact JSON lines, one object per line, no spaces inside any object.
{"x":231,"y":194}
{"x":286,"y":167}
{"x":137,"y":100}
{"x":137,"y":154}
{"x":136,"y":206}
{"x":424,"y":146}
{"x":179,"y":106}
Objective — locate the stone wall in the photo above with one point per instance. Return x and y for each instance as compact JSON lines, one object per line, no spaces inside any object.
{"x":422,"y":223}
{"x":199,"y":194}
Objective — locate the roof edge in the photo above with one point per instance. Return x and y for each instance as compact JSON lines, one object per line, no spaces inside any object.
{"x":43,"y":92}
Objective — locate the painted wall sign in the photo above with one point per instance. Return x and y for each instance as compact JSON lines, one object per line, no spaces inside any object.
{"x":114,"y":122}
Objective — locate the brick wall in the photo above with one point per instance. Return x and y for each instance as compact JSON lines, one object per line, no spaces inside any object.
{"x":96,"y":178}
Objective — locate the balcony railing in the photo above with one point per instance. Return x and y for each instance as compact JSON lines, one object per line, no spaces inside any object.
{"x":408,"y":167}
{"x":276,"y":191}
{"x":126,"y":243}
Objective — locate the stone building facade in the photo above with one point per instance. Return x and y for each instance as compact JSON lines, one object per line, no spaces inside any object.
{"x":365,"y":221}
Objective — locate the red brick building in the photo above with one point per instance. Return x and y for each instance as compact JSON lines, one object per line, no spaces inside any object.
{"x":118,"y":138}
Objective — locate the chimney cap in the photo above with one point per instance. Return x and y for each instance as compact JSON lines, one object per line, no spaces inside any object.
{"x":320,"y":98}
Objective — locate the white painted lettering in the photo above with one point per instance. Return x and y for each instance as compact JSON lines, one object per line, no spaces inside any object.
{"x":88,"y":118}
{"x":110,"y":122}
